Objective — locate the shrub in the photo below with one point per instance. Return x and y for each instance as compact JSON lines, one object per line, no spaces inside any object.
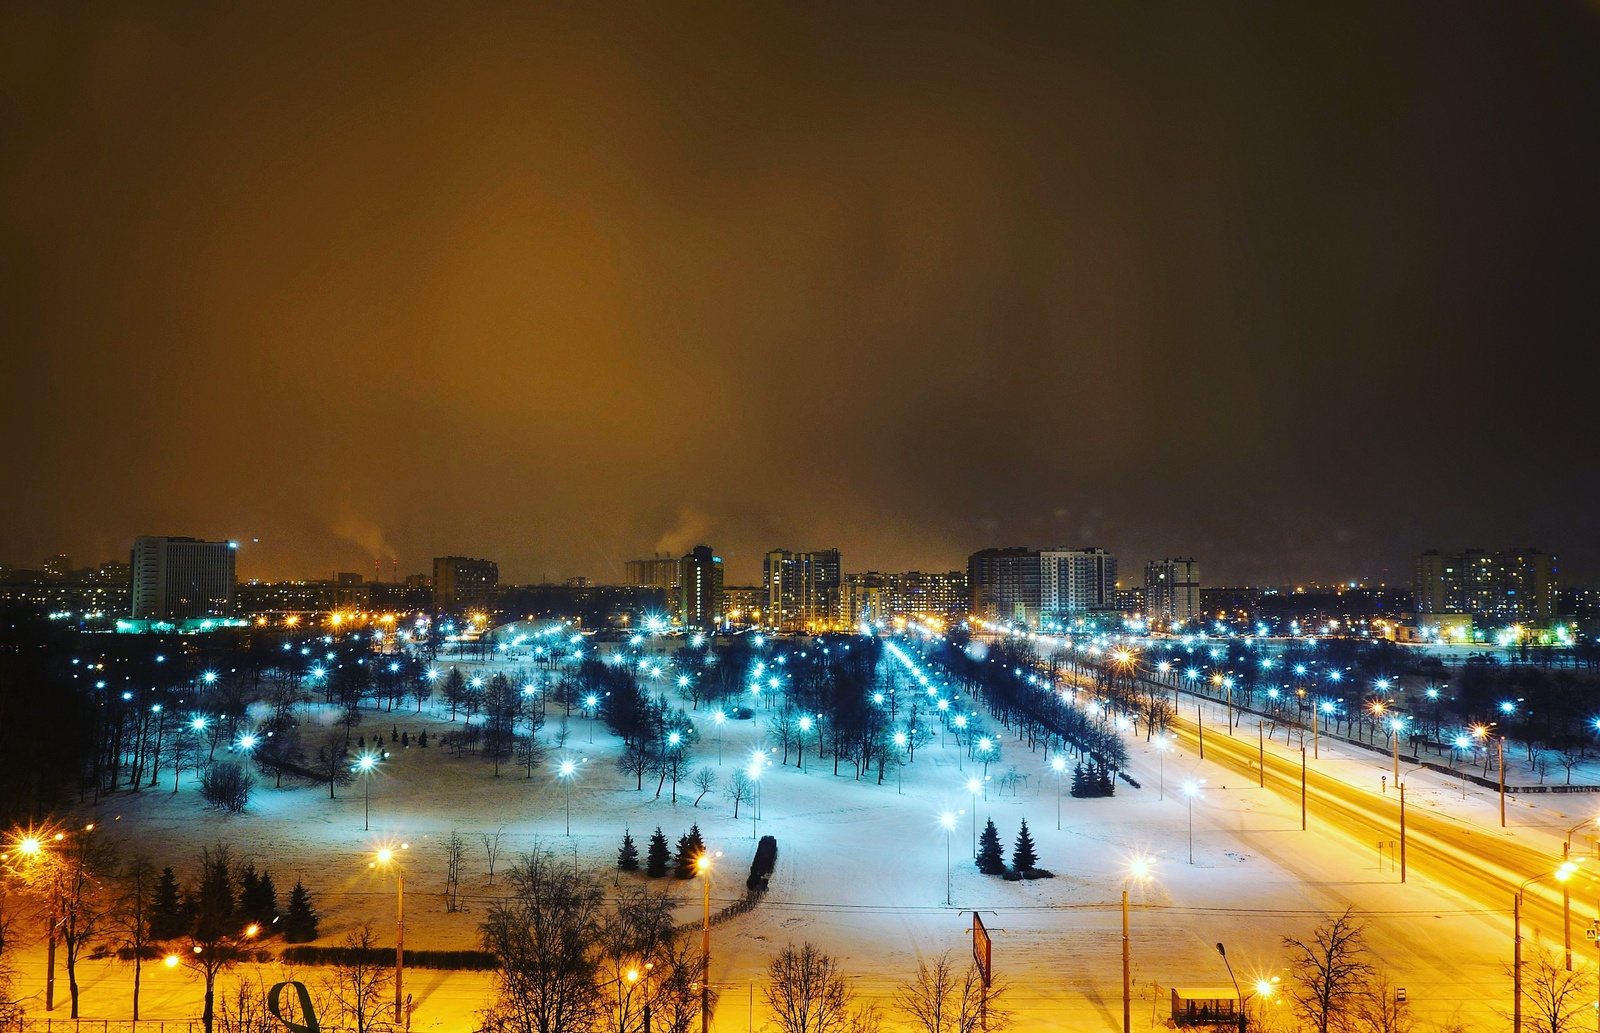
{"x":226,"y":786}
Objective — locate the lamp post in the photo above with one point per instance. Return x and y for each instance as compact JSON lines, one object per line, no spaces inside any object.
{"x":565,"y":772}
{"x":1566,"y":894}
{"x":591,"y":703}
{"x":1058,"y":764}
{"x":704,"y":864}
{"x":364,"y":766}
{"x":1162,"y":745}
{"x":1561,"y":874}
{"x":387,"y":857}
{"x":1138,"y":868}
{"x":719,"y":717}
{"x":973,"y":786}
{"x":1191,"y":789}
{"x":947,"y":820}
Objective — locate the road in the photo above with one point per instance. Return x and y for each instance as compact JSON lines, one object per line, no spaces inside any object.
{"x":1484,"y":866}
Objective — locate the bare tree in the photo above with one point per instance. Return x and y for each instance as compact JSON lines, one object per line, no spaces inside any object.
{"x":705,"y":780}
{"x":807,"y":992}
{"x":491,"y":848}
{"x":358,"y":985}
{"x":542,"y":937}
{"x":77,"y":891}
{"x":1558,"y":1000}
{"x":941,"y":1000}
{"x":1380,"y":1009}
{"x":131,"y":916}
{"x":455,"y":850}
{"x":1330,"y":971}
{"x":635,"y":761}
{"x":739,"y":788}
{"x":530,"y":751}
{"x":244,"y":1008}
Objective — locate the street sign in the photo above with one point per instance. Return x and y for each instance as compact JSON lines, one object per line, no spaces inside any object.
{"x":1400,"y":994}
{"x":1591,"y":933}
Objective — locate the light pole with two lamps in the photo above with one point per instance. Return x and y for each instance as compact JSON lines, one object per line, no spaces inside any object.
{"x":1562,"y":873}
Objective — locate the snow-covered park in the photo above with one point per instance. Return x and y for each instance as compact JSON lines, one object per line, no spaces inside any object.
{"x":866,"y":871}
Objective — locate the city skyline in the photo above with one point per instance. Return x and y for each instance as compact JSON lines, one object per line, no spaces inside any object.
{"x":1303,"y":293}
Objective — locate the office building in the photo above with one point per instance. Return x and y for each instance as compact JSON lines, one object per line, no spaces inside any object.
{"x":174,"y":579}
{"x":802,"y":588}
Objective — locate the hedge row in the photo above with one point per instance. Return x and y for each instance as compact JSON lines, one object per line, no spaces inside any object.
{"x":471,"y":961}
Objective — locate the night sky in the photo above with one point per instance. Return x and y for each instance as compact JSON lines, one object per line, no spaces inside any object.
{"x":1298,"y":291}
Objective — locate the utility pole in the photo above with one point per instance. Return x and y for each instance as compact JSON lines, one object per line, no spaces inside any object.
{"x":1302,"y":789}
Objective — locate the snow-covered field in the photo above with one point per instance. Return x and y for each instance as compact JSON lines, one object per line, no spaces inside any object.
{"x":861,"y":872}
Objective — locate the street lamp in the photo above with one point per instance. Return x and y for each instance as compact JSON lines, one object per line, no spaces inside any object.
{"x":1561,"y":874}
{"x":1566,"y":894}
{"x":1191,"y":789}
{"x":719,"y":717}
{"x":703,"y":863}
{"x":590,"y":703}
{"x":566,"y":772}
{"x":1163,"y":743}
{"x":947,"y":820}
{"x":973,"y":787}
{"x":1138,"y":868}
{"x":1058,"y":764}
{"x":386,"y":858}
{"x":364,"y":766}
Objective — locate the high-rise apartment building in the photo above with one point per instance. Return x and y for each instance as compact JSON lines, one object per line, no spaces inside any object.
{"x":942,"y":594}
{"x":1172,"y":590}
{"x":1004,"y":583}
{"x":1073,"y":582}
{"x":460,"y":581}
{"x":1513,"y":586}
{"x":700,"y":589}
{"x":173,"y":578}
{"x":802,"y":588}
{"x":657,"y":572}
{"x":866,"y":596}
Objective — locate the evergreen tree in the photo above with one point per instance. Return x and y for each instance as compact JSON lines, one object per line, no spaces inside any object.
{"x":628,"y":856}
{"x":167,"y":918}
{"x":300,"y":922}
{"x":249,"y":892}
{"x":991,"y":858}
{"x":1023,"y":855}
{"x":658,"y":856}
{"x":215,"y":908}
{"x":258,"y":902}
{"x":422,"y":739}
{"x":1107,"y":783}
{"x":1078,"y":780}
{"x":690,"y":847}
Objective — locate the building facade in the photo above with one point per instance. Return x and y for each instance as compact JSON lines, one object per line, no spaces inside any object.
{"x":460,"y":582}
{"x":802,"y":588}
{"x":657,"y":572}
{"x":699,"y":596}
{"x":174,"y":578}
{"x":942,"y":594}
{"x":1514,"y":586}
{"x":1172,"y":590}
{"x":1074,"y":582}
{"x":1004,"y":583}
